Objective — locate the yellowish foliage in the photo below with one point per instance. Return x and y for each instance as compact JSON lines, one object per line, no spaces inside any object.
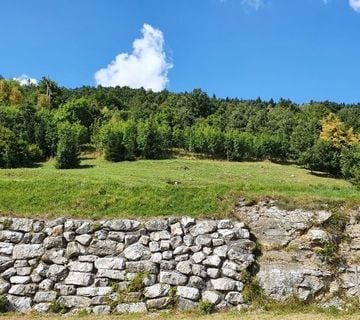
{"x":334,"y":130}
{"x":42,"y":101}
{"x":15,"y":96}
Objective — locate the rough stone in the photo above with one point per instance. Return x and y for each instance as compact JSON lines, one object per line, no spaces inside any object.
{"x":139,"y":307}
{"x":84,"y":239}
{"x":79,"y":278}
{"x":225,"y":284}
{"x":19,"y":304}
{"x":45,"y":296}
{"x":184,"y":267}
{"x":137,"y":252}
{"x":156,"y":291}
{"x":211,"y":296}
{"x":113,"y":263}
{"x":203,"y":227}
{"x":27,"y":251}
{"x":12,"y":236}
{"x":80,"y":266}
{"x":188,"y":293}
{"x":172,"y":278}
{"x":122,"y":225}
{"x":102,"y":247}
{"x":157,"y":225}
{"x":74,"y":301}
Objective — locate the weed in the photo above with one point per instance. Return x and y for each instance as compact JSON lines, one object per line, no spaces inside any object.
{"x":137,"y":283}
{"x":58,"y":307}
{"x":7,"y":223}
{"x":206,"y":307}
{"x":95,"y":227}
{"x":4,"y":303}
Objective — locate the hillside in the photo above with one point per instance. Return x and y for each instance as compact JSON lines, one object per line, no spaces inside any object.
{"x":144,"y":188}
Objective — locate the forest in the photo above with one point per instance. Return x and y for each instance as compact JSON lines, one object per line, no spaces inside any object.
{"x":43,"y":121}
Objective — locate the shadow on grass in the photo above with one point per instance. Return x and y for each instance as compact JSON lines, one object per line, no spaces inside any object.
{"x":85,"y":166}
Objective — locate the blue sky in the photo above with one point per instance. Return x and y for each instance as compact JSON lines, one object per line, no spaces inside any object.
{"x":297,"y":49}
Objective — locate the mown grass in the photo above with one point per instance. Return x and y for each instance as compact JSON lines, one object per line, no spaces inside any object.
{"x":146,"y":188}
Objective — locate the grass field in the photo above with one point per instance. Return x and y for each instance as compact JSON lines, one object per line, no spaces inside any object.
{"x":145,"y":188}
{"x":190,"y":316}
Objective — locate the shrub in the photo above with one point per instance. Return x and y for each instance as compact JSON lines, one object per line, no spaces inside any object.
{"x":350,"y":163}
{"x":68,"y":149}
{"x":12,"y":151}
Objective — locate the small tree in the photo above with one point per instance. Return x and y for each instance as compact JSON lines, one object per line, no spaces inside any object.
{"x":68,"y":149}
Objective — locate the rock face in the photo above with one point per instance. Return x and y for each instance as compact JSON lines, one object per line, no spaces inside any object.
{"x":85,"y":264}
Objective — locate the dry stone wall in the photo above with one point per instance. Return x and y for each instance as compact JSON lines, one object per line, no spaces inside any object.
{"x":122,"y":265}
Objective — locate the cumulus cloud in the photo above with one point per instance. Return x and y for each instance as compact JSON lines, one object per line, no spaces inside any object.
{"x":146,"y":66}
{"x":25,"y":80}
{"x":255,"y":4}
{"x":355,"y":4}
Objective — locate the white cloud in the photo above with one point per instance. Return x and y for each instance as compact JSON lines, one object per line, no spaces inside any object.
{"x":25,"y":80}
{"x":255,"y":4}
{"x":355,"y":4}
{"x":146,"y":66}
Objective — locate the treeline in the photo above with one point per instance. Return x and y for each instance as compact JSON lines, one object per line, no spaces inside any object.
{"x":43,"y":121}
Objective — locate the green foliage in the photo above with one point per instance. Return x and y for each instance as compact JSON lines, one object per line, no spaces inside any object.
{"x":328,"y":252}
{"x":13,"y":152}
{"x":252,"y":292}
{"x":7,"y":223}
{"x":58,"y":307}
{"x":350,"y":163}
{"x":137,"y":283}
{"x":4,"y":303}
{"x":68,"y":149}
{"x":206,"y":307}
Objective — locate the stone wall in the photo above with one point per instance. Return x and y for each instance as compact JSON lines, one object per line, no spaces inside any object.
{"x":122,"y":265}
{"x":132,"y":266}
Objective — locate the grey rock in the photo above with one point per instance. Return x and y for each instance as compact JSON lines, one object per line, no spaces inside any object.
{"x":165,"y":245}
{"x":176,"y":229}
{"x":221,"y":251}
{"x":184,"y":267}
{"x":131,"y":239}
{"x":186,"y":222}
{"x":225,"y":284}
{"x":144,"y":240}
{"x":4,"y":286}
{"x":198,"y":257}
{"x":24,"y":271}
{"x":199,"y":270}
{"x":101,"y":310}
{"x":38,"y":226}
{"x":157,"y":225}
{"x":43,"y":307}
{"x":197,"y":282}
{"x":20,"y":279}
{"x":207,"y":250}
{"x":84,"y":228}
{"x":19,"y":304}
{"x":93,"y":291}
{"x":186,"y":305}
{"x":167,"y":265}
{"x":27,"y":251}
{"x":101,"y":234}
{"x":159,"y":303}
{"x":188,"y":240}
{"x":172,"y":278}
{"x":137,"y":252}
{"x":21,"y":224}
{"x":8,"y":273}
{"x":37,"y":238}
{"x":122,"y":225}
{"x":6,"y":248}
{"x":111,"y":274}
{"x":212,"y":261}
{"x":102,"y":247}
{"x":116,"y":236}
{"x":188,"y":293}
{"x":5,"y":263}
{"x":75,"y":249}
{"x":225,"y":224}
{"x":156,"y":291}
{"x":203,"y":240}
{"x":12,"y":236}
{"x":53,"y":242}
{"x":80,"y":266}
{"x":234,"y":297}
{"x":182,"y":257}
{"x":56,"y":256}
{"x":156,"y":257}
{"x":42,"y":269}
{"x":142,"y":266}
{"x":203,"y":227}
{"x":139,"y":307}
{"x":213,"y":273}
{"x":23,"y":289}
{"x":45,"y":296}
{"x":46,"y":285}
{"x":20,"y":263}
{"x":79,"y":278}
{"x":211,"y":296}
{"x":84,"y":239}
{"x":113,"y":263}
{"x":56,"y":272}
{"x":88,"y":258}
{"x":65,"y":290}
{"x":181,"y":250}
{"x":69,"y":236}
{"x":167,"y":255}
{"x":160,"y":235}
{"x":154,"y":246}
{"x":217,"y":242}
{"x":74,"y":301}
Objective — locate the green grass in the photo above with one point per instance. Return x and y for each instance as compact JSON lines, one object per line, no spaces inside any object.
{"x":162,"y":187}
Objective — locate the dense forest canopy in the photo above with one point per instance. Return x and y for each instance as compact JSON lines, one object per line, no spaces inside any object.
{"x":46,"y":120}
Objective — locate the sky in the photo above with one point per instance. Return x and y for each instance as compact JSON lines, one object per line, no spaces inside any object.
{"x":297,"y":49}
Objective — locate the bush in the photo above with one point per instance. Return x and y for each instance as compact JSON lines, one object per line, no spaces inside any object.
{"x":4,"y":304}
{"x":68,"y":149}
{"x":350,"y":163}
{"x":12,"y":151}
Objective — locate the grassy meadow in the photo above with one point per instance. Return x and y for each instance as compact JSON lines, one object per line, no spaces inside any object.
{"x":199,"y":188}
